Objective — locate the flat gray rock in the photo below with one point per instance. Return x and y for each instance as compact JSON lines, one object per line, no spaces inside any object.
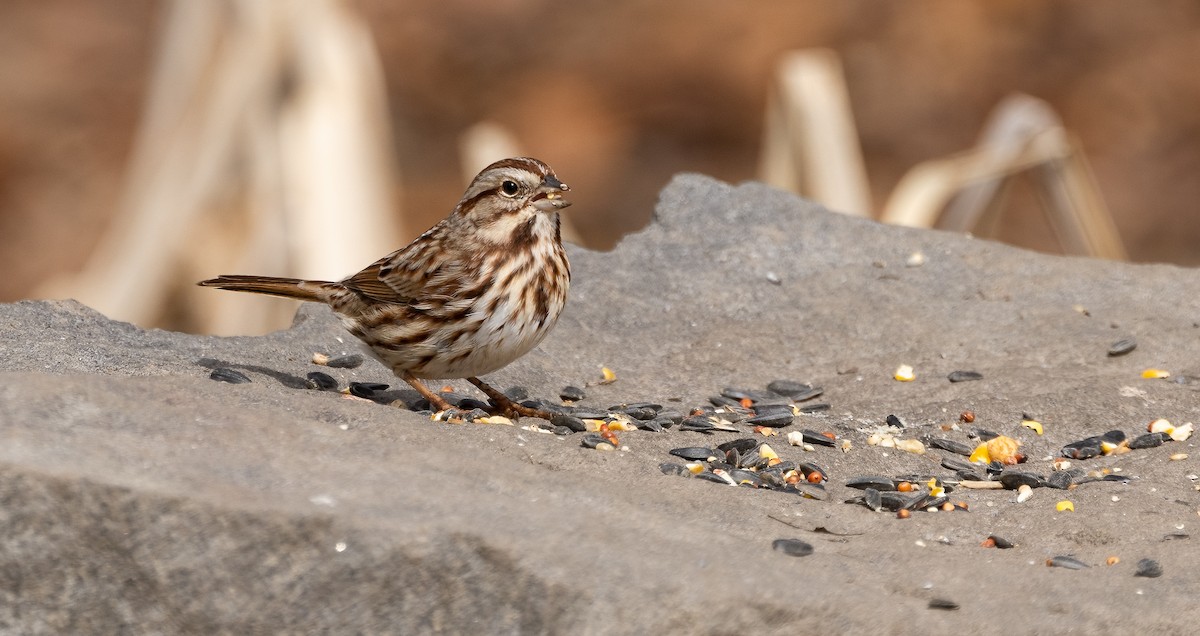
{"x":139,"y":496}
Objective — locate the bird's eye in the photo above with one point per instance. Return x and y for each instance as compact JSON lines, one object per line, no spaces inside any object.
{"x":509,"y":188}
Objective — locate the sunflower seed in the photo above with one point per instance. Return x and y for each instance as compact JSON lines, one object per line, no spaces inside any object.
{"x":773,"y":420}
{"x":953,"y":446}
{"x":872,"y":481}
{"x":1122,"y":347}
{"x":964,"y":376}
{"x":1149,"y":440}
{"x":367,"y":390}
{"x":225,"y":374}
{"x":676,"y":470}
{"x":1070,"y":563}
{"x":1148,"y":568}
{"x":569,"y":421}
{"x":743,"y":445}
{"x":650,"y":425}
{"x":696,"y":453}
{"x":942,"y":604}
{"x":321,"y":381}
{"x":1083,"y":449}
{"x":348,"y":361}
{"x":792,"y":547}
{"x":872,"y":499}
{"x":813,"y":437}
{"x":592,"y":440}
{"x":1014,"y":479}
{"x":571,"y":393}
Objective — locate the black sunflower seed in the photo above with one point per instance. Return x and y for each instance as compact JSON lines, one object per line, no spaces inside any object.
{"x":1149,"y":440}
{"x":813,"y":437}
{"x":959,"y":466}
{"x":696,"y":453}
{"x":594,"y":440}
{"x":638,"y":412}
{"x":872,"y":499}
{"x":1070,"y":563}
{"x":650,"y":425}
{"x":321,"y":381}
{"x":964,"y":376}
{"x":674,"y":416}
{"x":225,"y":374}
{"x":796,"y":391}
{"x":951,"y":445}
{"x":720,"y":400}
{"x":1060,"y":479}
{"x":871,"y":481}
{"x":792,"y":547}
{"x":778,"y":419}
{"x":893,"y":420}
{"x":788,"y":388}
{"x":348,"y":361}
{"x":1113,"y":437}
{"x":744,"y":477}
{"x":1148,"y":568}
{"x":764,"y":408}
{"x":813,"y":408}
{"x":516,"y":393}
{"x":677,"y":470}
{"x":715,"y":478}
{"x":983,"y":435}
{"x":1083,"y":449}
{"x":1122,"y":347}
{"x":742,"y":445}
{"x":367,"y":389}
{"x":569,"y":421}
{"x":895,"y":501}
{"x":942,"y":604}
{"x":571,"y":393}
{"x":811,"y":491}
{"x":1014,"y":479}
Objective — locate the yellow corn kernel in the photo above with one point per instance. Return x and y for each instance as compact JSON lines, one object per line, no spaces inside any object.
{"x":1032,"y":425}
{"x":1155,"y":374}
{"x":1065,"y":506}
{"x":905,"y":373}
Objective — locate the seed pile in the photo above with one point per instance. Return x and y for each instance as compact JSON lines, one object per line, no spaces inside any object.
{"x":983,"y":460}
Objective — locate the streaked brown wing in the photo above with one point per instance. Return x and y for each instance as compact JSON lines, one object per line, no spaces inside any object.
{"x":369,"y":284}
{"x":408,"y":275}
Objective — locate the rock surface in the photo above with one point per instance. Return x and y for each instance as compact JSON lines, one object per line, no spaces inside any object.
{"x":137,"y":495}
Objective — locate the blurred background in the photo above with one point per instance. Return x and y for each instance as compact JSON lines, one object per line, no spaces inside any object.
{"x":211,"y":127}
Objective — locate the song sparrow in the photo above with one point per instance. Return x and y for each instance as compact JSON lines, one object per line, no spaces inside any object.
{"x":470,"y":295}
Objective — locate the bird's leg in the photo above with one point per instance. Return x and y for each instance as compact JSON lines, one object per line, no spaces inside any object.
{"x":436,"y":401}
{"x":507,"y":406}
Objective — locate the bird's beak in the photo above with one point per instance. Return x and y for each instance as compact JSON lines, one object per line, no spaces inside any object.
{"x":549,"y":197}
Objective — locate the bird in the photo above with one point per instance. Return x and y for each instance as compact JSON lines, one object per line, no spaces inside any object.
{"x":475,"y":292}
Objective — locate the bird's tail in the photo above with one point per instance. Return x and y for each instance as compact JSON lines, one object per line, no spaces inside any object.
{"x":314,"y":290}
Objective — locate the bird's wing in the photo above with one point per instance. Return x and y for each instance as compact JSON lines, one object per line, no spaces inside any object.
{"x":413,"y":274}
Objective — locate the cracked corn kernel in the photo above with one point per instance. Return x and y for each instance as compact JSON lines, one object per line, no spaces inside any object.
{"x":1003,"y":449}
{"x":1155,"y":374}
{"x":1065,"y":506}
{"x":905,"y":373}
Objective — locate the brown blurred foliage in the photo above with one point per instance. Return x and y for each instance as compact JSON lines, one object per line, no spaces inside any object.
{"x":620,"y":96}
